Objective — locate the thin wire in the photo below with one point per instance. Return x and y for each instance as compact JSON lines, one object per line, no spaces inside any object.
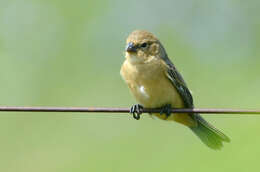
{"x":123,"y":110}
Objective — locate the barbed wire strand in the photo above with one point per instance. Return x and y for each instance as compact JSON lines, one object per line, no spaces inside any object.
{"x":123,"y":110}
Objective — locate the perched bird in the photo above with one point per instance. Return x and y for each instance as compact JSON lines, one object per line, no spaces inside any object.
{"x":155,"y":83}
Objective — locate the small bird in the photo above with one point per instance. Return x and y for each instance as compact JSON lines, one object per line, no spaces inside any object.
{"x":155,"y":83}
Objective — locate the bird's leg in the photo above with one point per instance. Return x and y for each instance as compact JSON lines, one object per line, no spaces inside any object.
{"x":166,"y":110}
{"x":136,"y":110}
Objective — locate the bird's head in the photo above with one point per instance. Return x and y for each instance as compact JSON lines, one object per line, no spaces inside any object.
{"x":143,"y":46}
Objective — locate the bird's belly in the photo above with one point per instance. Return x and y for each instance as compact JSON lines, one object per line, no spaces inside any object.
{"x":157,"y":93}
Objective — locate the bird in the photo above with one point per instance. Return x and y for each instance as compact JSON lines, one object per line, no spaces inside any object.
{"x":155,"y":82}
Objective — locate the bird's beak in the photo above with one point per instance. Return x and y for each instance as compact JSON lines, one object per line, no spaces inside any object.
{"x":130,"y":47}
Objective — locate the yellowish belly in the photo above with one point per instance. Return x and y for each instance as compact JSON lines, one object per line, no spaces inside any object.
{"x":156,"y":93}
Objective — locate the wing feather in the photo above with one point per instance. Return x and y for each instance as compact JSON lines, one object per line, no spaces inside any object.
{"x":176,"y":79}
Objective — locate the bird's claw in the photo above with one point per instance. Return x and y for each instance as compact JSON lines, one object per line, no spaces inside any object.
{"x":166,"y":110}
{"x":136,"y":110}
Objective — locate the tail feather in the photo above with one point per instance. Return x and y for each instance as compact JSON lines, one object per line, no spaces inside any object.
{"x":208,"y":134}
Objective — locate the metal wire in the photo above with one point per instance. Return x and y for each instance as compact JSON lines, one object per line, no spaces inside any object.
{"x":123,"y":110}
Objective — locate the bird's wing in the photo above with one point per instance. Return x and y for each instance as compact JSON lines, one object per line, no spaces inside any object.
{"x":178,"y":82}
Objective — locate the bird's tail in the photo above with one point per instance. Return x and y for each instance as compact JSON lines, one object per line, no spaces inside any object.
{"x":208,"y":134}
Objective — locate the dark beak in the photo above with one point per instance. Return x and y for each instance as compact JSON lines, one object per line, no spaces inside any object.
{"x":130,"y":47}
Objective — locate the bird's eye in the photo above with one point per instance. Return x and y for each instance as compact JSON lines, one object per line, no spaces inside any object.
{"x":143,"y":45}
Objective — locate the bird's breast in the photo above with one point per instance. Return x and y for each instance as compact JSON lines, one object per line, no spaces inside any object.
{"x":149,"y":84}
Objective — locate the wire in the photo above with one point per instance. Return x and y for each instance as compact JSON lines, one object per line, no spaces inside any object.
{"x":123,"y":110}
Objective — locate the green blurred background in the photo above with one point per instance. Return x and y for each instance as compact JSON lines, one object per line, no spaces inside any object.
{"x":69,"y":53}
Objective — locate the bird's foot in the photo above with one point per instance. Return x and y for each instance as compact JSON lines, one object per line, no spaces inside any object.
{"x":136,"y":110}
{"x":166,"y":110}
